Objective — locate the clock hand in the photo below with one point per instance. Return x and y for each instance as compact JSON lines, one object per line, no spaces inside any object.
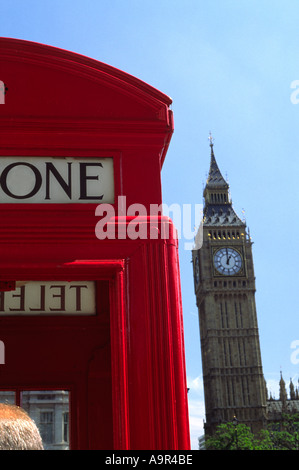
{"x":227,"y":257}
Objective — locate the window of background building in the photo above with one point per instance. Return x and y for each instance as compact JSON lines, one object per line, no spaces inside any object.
{"x":46,"y":426}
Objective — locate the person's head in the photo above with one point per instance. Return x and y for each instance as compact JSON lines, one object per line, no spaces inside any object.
{"x":17,"y":430}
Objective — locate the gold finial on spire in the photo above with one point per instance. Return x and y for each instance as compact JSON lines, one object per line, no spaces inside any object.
{"x":211,"y":139}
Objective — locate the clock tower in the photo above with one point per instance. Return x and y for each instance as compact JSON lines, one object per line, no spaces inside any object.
{"x":224,"y":285}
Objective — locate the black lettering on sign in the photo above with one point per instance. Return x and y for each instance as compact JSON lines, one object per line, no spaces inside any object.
{"x":56,"y":180}
{"x":84,"y":178}
{"x":50,"y":297}
{"x":67,"y":187}
{"x":37,"y":176}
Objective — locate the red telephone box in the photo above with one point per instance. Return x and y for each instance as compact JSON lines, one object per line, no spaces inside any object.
{"x":89,"y":294}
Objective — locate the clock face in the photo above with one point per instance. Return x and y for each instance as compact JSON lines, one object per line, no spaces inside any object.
{"x":227,"y":261}
{"x":196,"y":270}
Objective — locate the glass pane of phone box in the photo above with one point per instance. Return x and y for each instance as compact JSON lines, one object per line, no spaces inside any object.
{"x":50,"y":411}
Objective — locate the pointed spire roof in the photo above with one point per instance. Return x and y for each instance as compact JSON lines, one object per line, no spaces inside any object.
{"x":292,"y":390}
{"x":282,"y":390}
{"x":218,"y":210}
{"x":215,"y":178}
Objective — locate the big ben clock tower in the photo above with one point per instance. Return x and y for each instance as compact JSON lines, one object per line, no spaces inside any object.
{"x":224,"y":284}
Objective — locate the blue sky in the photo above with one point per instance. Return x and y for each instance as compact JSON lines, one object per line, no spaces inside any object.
{"x":228,"y":66}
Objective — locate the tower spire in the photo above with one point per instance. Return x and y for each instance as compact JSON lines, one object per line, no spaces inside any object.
{"x":218,"y":206}
{"x":282,"y":392}
{"x":211,"y":139}
{"x":215,"y":179}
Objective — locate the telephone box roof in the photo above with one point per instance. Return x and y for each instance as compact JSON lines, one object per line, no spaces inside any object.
{"x":45,"y":82}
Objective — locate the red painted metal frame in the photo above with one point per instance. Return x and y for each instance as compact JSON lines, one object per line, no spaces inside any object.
{"x":143,"y":369}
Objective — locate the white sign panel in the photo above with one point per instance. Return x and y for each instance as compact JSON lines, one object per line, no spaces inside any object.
{"x":56,"y":180}
{"x":49,"y":298}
